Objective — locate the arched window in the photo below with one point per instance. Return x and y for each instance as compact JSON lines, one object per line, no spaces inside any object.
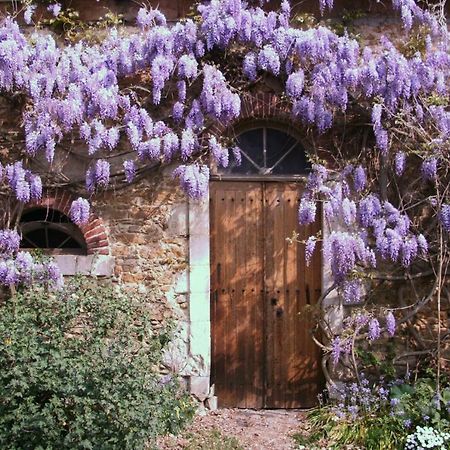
{"x":269,"y":151}
{"x":52,"y":231}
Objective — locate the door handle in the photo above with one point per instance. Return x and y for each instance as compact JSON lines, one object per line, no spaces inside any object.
{"x":308,"y":295}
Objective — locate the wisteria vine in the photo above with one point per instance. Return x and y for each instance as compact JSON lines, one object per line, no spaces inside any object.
{"x":78,"y":90}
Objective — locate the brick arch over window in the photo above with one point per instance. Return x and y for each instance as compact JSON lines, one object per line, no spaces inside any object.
{"x":261,"y":106}
{"x":268,"y":111}
{"x":94,"y":232}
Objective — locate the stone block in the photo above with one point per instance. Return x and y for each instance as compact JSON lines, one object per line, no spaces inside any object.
{"x":177,"y":225}
{"x":199,"y":217}
{"x":182,"y":283}
{"x":84,"y":264}
{"x":200,"y":339}
{"x":99,"y":265}
{"x":67,"y":264}
{"x":103,"y":266}
{"x":199,"y":306}
{"x":199,"y":278}
{"x":199,"y":250}
{"x":212,"y":403}
{"x":199,"y":387}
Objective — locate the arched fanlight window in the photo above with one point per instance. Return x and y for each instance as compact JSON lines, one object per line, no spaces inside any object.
{"x":269,"y":151}
{"x":52,"y":231}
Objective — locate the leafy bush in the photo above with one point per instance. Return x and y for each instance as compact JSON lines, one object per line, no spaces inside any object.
{"x":79,"y":370}
{"x":382,"y":416}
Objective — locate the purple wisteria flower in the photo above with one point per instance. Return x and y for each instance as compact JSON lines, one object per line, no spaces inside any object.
{"x":444,"y":217}
{"x":80,"y":211}
{"x":219,"y":153}
{"x":317,"y":177}
{"x":177,"y":111}
{"x":171,"y":145}
{"x":390,"y":323}
{"x":307,"y":211}
{"x":237,"y":155}
{"x":28,"y":14}
{"x":144,"y":18}
{"x":188,"y":144}
{"x":294,"y":84}
{"x":35,"y":186}
{"x":348,"y":211}
{"x":374,"y":329}
{"x":55,"y":9}
{"x":377,"y":111}
{"x":9,"y":242}
{"x":422,"y":244}
{"x":326,"y":4}
{"x":187,"y":67}
{"x":309,"y":249}
{"x":250,"y":68}
{"x":269,"y":60}
{"x":194,"y":179}
{"x":352,"y":291}
{"x":399,"y":163}
{"x":344,"y":250}
{"x":129,"y":168}
{"x":359,"y":178}
{"x":102,"y":170}
{"x":429,"y":169}
{"x":369,"y":210}
{"x":336,"y":350}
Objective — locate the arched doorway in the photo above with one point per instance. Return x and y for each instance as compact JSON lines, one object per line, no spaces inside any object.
{"x":263,"y":355}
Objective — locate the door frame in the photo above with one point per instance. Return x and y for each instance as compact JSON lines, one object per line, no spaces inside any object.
{"x":198,"y":365}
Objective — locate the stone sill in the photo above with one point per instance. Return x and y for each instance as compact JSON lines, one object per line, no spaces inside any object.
{"x":93,"y":265}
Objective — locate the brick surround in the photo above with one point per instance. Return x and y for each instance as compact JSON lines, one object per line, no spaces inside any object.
{"x":94,"y":231}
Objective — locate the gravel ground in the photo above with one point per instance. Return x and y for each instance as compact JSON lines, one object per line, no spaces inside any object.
{"x":255,"y":430}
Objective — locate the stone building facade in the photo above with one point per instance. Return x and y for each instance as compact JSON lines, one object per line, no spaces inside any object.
{"x":149,"y":237}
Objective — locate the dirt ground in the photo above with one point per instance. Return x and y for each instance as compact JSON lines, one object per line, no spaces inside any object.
{"x":255,"y":430}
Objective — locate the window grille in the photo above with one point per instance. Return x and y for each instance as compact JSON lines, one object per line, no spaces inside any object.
{"x":51,"y":231}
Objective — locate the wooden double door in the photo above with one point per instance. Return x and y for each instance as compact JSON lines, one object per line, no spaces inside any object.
{"x":263,"y":355}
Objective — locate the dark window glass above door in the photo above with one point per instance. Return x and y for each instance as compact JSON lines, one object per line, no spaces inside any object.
{"x":269,"y":151}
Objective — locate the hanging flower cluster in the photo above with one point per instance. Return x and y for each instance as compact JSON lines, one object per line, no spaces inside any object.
{"x":19,"y":268}
{"x":77,"y":86}
{"x":25,"y":185}
{"x":366,"y":230}
{"x":75,"y":89}
{"x":361,"y":323}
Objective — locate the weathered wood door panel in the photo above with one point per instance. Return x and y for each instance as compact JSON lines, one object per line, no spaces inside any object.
{"x":292,"y":371}
{"x":236,"y":272}
{"x":263,"y":354}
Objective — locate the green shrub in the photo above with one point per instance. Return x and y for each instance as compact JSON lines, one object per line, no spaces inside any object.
{"x":78,"y":370}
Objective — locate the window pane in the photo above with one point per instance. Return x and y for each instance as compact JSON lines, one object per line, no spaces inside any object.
{"x":35,"y":239}
{"x":50,"y":229}
{"x":251,"y":144}
{"x":56,"y":238}
{"x":278,"y":143}
{"x":284,"y":154}
{"x":295,"y":163}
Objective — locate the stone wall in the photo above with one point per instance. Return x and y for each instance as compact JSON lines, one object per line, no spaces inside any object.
{"x":160,"y":244}
{"x":158,"y":241}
